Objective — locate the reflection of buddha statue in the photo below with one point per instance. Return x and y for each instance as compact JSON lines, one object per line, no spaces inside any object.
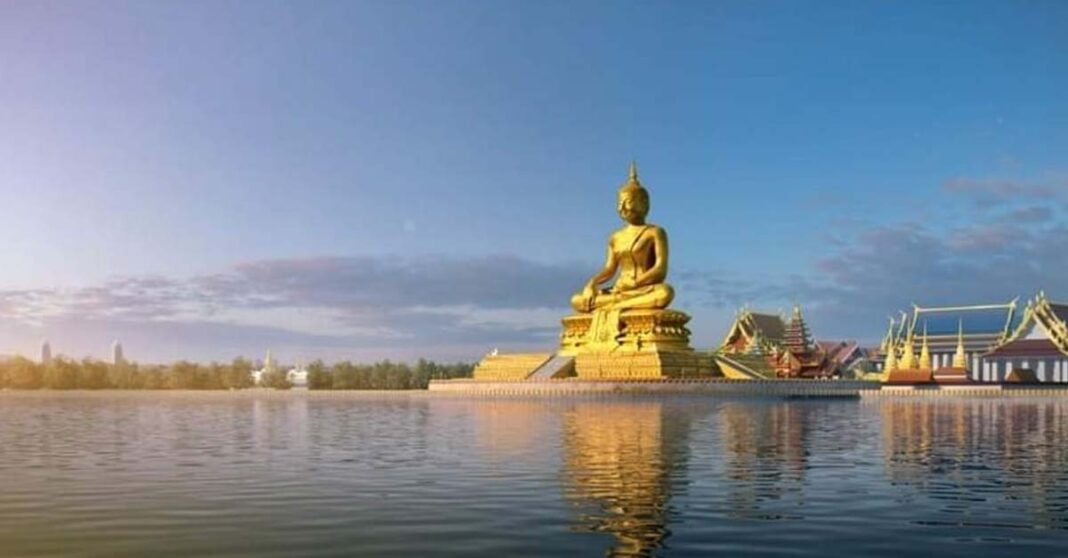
{"x":618,"y":459}
{"x":638,"y":252}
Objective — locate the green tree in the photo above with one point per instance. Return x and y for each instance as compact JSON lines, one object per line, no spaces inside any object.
{"x":24,"y":374}
{"x":155,"y":378}
{"x":346,"y":375}
{"x":125,"y":375}
{"x":94,"y":374}
{"x":275,"y":379}
{"x":319,"y":377}
{"x":184,"y":375}
{"x":239,"y":374}
{"x":62,"y":373}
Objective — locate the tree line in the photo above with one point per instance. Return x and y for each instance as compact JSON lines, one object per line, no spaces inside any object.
{"x":64,"y":373}
{"x":383,"y":375}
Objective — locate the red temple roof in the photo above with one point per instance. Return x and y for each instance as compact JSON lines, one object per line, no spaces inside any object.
{"x":1027,"y":348}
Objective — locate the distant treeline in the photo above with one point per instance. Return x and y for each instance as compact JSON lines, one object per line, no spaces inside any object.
{"x":383,"y":375}
{"x":62,"y":373}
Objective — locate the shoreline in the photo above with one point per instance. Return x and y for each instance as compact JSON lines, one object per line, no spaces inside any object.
{"x":713,"y":388}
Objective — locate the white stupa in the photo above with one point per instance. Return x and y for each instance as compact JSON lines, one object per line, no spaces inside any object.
{"x":46,"y":353}
{"x":116,"y":353}
{"x":268,"y":366}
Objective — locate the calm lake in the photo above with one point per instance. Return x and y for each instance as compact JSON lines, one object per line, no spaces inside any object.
{"x":425,"y":475}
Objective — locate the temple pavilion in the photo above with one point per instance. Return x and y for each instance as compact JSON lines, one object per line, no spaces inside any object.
{"x":767,"y":345}
{"x":948,"y":338}
{"x":1037,"y":349}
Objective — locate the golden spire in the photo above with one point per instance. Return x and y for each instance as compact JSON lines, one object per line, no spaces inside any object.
{"x":891,"y":359}
{"x":888,"y":341}
{"x":960,"y":360}
{"x":908,"y":355}
{"x":925,"y":352}
{"x":632,"y":183}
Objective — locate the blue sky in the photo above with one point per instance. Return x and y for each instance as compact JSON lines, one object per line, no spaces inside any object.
{"x":356,"y":180}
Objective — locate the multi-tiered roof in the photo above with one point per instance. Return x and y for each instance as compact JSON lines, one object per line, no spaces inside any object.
{"x":796,"y":339}
{"x":1041,"y":332}
{"x":767,"y":345}
{"x":979,"y":327}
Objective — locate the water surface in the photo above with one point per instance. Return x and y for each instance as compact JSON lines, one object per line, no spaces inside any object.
{"x":305,"y":474}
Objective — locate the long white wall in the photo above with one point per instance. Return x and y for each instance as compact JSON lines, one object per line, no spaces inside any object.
{"x":1047,"y":369}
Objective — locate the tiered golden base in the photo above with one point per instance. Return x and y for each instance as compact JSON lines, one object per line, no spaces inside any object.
{"x":644,"y":365}
{"x":514,"y":366}
{"x":650,"y":344}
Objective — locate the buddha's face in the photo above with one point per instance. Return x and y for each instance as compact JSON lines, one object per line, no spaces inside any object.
{"x":632,"y":207}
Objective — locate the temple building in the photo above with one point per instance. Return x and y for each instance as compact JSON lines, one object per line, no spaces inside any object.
{"x":46,"y":353}
{"x":298,"y":376}
{"x":930,"y":338}
{"x":1037,"y":349}
{"x":765,"y":345}
{"x":268,"y":368}
{"x":749,"y":327}
{"x":116,"y":354}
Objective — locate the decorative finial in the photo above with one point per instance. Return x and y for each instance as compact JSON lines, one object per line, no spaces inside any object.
{"x":633,"y":185}
{"x":925,"y":351}
{"x":908,"y":353}
{"x":960,"y":359}
{"x":890,"y":364}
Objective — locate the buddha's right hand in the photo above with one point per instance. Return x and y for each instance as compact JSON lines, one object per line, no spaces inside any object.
{"x":588,"y":296}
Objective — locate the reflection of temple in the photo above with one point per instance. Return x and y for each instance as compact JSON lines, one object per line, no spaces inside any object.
{"x":619,"y":462}
{"x":1011,"y":453}
{"x":764,"y":448}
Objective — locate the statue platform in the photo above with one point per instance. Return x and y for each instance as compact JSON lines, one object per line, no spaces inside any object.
{"x":650,"y":344}
{"x":643,"y":345}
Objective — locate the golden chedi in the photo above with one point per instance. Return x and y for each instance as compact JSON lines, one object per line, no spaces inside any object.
{"x":626,"y":330}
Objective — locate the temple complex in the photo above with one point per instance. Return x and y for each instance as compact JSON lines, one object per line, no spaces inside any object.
{"x":987,"y":344}
{"x":624,"y":328}
{"x":622,"y":331}
{"x":950,"y":341}
{"x":765,"y":345}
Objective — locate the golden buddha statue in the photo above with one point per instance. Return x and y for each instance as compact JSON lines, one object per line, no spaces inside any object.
{"x":638,"y":252}
{"x":625,"y":331}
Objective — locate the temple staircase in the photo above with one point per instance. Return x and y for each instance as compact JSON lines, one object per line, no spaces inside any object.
{"x":745,"y":367}
{"x":556,"y":367}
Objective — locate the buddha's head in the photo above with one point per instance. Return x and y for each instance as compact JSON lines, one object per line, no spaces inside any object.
{"x":633,"y":200}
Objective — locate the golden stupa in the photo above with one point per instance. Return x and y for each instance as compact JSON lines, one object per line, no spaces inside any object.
{"x":622,"y":331}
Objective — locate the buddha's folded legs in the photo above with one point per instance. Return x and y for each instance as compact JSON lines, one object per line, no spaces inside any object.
{"x":648,"y":297}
